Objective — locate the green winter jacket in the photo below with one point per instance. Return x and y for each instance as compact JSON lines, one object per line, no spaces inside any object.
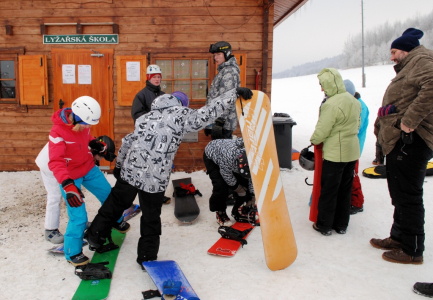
{"x":411,"y":92}
{"x":339,"y":120}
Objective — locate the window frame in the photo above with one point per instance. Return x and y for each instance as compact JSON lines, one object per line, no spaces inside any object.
{"x":191,"y":57}
{"x":11,"y":57}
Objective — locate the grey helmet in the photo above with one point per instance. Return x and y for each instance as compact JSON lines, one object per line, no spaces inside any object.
{"x":306,"y":159}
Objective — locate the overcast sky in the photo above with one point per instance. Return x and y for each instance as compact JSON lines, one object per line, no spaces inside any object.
{"x":320,"y":28}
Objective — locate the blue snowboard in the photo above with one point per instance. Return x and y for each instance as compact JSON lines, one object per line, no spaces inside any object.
{"x":163,"y":270}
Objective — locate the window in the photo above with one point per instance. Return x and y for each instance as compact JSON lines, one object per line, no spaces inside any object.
{"x":8,"y":81}
{"x":188,"y":75}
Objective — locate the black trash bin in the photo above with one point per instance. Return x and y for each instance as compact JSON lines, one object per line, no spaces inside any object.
{"x":283,"y":140}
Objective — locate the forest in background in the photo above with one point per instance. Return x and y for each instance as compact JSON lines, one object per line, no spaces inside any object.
{"x":377,"y":44}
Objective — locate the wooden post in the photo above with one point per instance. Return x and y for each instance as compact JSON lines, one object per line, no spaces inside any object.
{"x":265,"y":46}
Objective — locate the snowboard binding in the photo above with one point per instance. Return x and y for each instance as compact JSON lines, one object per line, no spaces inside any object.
{"x":100,"y":246}
{"x":234,"y":234}
{"x":247,"y":214}
{"x":93,"y":271}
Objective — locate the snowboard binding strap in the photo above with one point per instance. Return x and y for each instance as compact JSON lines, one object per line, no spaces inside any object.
{"x":93,"y":271}
{"x":151,"y":294}
{"x":106,"y":247}
{"x":234,"y":234}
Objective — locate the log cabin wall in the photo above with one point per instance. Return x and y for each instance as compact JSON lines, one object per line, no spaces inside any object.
{"x":145,"y":27}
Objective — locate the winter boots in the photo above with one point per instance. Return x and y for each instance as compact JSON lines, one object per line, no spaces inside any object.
{"x":325,"y":232}
{"x":423,"y":288}
{"x":354,"y":210}
{"x":122,"y":227}
{"x":385,"y":244}
{"x":79,"y":260}
{"x":398,"y":256}
{"x":54,"y":236}
{"x":223,"y":219}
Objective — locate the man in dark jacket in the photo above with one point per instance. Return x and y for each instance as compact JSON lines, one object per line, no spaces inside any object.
{"x":144,"y":98}
{"x":404,"y":128}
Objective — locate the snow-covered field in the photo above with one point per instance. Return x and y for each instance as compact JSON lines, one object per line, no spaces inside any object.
{"x":334,"y":267}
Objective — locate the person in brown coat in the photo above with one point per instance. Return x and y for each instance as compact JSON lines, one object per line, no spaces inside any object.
{"x":404,"y":128}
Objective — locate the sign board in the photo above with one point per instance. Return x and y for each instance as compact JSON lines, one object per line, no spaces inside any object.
{"x":190,"y":137}
{"x":81,"y":39}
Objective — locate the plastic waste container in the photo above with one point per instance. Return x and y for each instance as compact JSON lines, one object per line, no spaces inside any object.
{"x":283,"y":139}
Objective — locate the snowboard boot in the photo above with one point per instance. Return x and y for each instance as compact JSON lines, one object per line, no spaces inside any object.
{"x":398,"y":256}
{"x":423,"y":289}
{"x":79,"y":260}
{"x":54,"y":236}
{"x":354,"y":209}
{"x":223,"y":219}
{"x":166,"y":200}
{"x":385,"y":244}
{"x":122,"y":227}
{"x":326,"y":232}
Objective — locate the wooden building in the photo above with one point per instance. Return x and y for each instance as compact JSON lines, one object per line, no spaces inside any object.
{"x":53,"y":51}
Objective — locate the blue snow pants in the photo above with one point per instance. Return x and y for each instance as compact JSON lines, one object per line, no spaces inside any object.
{"x":96,"y":183}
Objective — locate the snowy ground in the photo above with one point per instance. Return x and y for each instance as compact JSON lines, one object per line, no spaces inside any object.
{"x":334,"y":267}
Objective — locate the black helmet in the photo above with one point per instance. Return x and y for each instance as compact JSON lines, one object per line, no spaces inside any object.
{"x":223,"y":47}
{"x":306,"y":159}
{"x":111,"y":148}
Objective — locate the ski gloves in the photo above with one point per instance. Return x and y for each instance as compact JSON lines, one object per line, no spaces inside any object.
{"x":240,"y":190}
{"x":74,"y":196}
{"x":97,"y":147}
{"x":116,"y":172}
{"x":245,"y":93}
{"x":217,"y":129}
{"x":386,"y":110}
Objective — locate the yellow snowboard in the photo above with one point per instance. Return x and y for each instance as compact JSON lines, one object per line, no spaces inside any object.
{"x":255,"y":120}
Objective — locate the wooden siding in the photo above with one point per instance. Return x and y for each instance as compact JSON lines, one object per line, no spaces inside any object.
{"x":142,"y":24}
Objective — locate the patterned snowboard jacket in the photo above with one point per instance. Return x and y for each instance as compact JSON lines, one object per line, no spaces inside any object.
{"x":224,"y":153}
{"x":147,"y":154}
{"x":227,"y":78}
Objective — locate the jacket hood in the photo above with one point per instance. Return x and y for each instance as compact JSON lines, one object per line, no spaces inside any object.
{"x":61,"y":116}
{"x":231,"y":62}
{"x":331,"y":82}
{"x":165,"y":101}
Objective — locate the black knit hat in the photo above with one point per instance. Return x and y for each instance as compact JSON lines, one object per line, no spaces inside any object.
{"x":408,"y":40}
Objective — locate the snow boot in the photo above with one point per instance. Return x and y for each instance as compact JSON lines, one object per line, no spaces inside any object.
{"x":167,"y":200}
{"x":398,"y":256}
{"x":122,"y":227}
{"x":79,"y":260}
{"x":223,"y":219}
{"x":385,"y":244}
{"x":325,"y":232}
{"x":54,"y":236}
{"x":424,"y":289}
{"x":355,"y":209}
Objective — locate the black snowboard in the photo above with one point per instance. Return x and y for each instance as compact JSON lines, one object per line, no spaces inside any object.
{"x":186,"y":209}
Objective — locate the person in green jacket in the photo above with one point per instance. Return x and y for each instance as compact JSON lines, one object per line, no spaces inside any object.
{"x":337,"y":128}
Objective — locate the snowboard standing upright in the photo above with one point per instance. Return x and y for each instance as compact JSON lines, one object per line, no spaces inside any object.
{"x":318,"y":160}
{"x":98,"y":289}
{"x":255,"y":120}
{"x":186,"y":209}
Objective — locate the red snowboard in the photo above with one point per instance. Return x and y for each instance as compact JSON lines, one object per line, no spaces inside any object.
{"x":318,"y":159}
{"x":226,"y":247}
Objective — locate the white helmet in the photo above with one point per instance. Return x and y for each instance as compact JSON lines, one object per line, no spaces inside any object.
{"x":87,"y":110}
{"x":153,"y":69}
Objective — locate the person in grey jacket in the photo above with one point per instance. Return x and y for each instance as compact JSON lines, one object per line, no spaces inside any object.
{"x":227,"y":78}
{"x":144,"y":163}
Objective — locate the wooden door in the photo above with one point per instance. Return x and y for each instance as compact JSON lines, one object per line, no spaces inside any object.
{"x":84,"y":72}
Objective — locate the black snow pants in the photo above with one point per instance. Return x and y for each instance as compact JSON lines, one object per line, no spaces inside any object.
{"x":121,"y":197}
{"x":335,"y":194}
{"x":405,"y":172}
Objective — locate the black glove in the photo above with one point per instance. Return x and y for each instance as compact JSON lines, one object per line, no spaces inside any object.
{"x":97,"y":147}
{"x":116,"y":172}
{"x":217,"y":129}
{"x":74,"y":196}
{"x":357,"y":95}
{"x":245,"y":93}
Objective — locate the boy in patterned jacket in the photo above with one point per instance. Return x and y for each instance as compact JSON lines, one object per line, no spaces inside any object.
{"x":144,"y":163}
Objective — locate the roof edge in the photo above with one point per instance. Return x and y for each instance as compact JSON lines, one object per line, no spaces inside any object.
{"x":290,"y":12}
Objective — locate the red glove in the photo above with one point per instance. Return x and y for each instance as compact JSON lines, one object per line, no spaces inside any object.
{"x":74,"y":196}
